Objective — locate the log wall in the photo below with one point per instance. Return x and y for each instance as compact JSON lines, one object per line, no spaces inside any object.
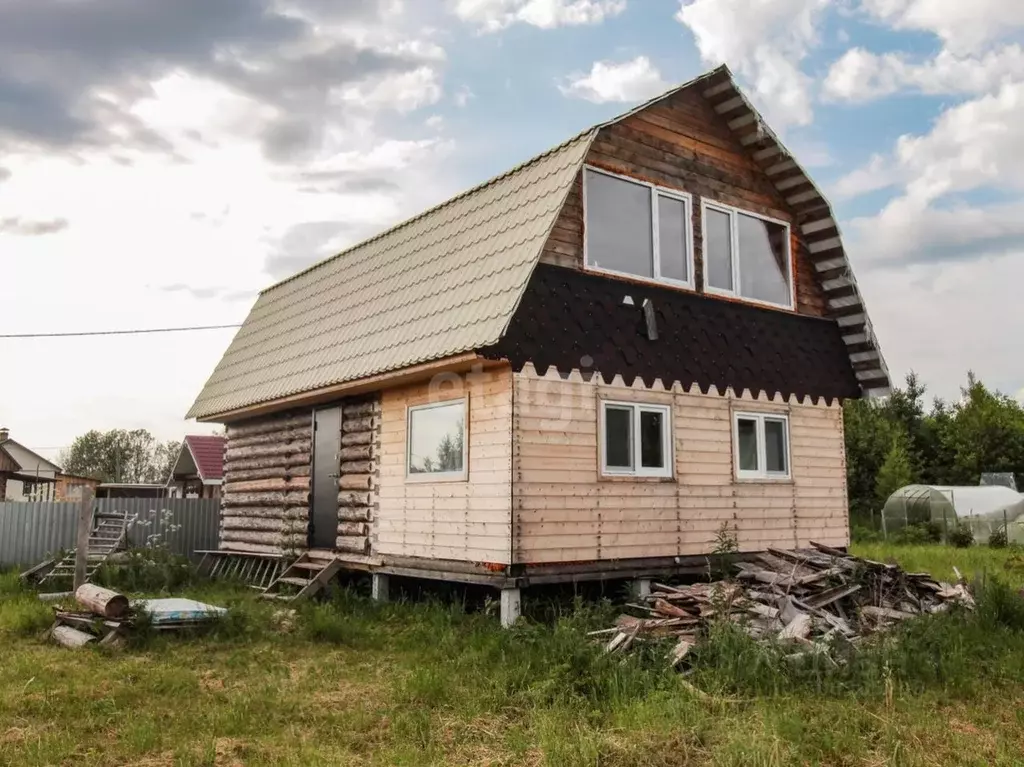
{"x":681,"y":143}
{"x":265,"y":501}
{"x":358,"y":473}
{"x":565,"y":511}
{"x":265,"y":505}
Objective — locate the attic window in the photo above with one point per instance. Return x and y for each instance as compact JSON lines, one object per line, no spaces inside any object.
{"x":747,"y":255}
{"x":636,"y":228}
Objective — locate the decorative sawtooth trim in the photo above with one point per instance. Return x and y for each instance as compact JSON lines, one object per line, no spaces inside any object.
{"x":783,"y":170}
{"x":677,"y":387}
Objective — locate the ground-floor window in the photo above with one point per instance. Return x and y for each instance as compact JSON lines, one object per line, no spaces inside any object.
{"x":637,"y":439}
{"x":762,"y":445}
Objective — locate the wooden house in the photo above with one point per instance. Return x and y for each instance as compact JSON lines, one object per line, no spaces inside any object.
{"x":583,"y":368}
{"x":198,"y":470}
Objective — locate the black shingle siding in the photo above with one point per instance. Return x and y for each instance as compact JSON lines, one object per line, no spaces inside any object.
{"x":570,"y":319}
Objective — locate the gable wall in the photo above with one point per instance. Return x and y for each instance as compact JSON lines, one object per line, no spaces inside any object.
{"x":680,"y":143}
{"x":565,"y":511}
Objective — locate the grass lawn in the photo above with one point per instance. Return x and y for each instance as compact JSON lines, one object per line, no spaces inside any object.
{"x":348,"y":682}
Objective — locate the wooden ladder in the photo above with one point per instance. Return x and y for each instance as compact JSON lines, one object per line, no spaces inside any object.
{"x":107,"y":533}
{"x":304,"y":577}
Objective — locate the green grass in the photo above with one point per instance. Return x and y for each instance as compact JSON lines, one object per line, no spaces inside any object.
{"x":976,"y":562}
{"x":349,"y":682}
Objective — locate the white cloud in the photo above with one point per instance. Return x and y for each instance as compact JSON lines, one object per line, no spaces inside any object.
{"x":976,"y":144}
{"x":942,"y":319}
{"x":492,"y":15}
{"x":634,"y":80}
{"x":963,"y":26}
{"x":765,"y":42}
{"x":860,"y":75}
{"x":908,"y":231}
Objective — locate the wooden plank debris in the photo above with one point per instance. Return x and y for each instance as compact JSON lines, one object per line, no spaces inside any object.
{"x":812,"y":597}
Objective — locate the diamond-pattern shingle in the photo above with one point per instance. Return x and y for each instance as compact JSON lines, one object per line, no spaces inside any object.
{"x":569,"y":319}
{"x":440,"y":284}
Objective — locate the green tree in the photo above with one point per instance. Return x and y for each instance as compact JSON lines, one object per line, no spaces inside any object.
{"x":895,"y":471}
{"x":984,"y":431}
{"x":120,"y":455}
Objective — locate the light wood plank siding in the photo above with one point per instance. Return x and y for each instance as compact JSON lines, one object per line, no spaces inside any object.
{"x":465,"y":520}
{"x":680,"y":143}
{"x":564,"y":511}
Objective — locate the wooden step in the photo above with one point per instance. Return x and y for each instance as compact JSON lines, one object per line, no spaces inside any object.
{"x":300,"y":582}
{"x":316,"y":566}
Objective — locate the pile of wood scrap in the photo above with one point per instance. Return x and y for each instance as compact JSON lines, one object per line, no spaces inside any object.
{"x":809,"y":598}
{"x":107,"y":618}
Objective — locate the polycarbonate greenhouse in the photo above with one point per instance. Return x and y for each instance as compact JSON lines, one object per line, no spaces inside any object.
{"x":984,"y":508}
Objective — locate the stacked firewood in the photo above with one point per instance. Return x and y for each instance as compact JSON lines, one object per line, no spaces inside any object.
{"x":809,"y":598}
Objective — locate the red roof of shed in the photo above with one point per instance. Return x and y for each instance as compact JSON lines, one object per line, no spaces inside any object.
{"x":208,"y":453}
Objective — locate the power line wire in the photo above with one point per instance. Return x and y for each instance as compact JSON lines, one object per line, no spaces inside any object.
{"x":136,"y":331}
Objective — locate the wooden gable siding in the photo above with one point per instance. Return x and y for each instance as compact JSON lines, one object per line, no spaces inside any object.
{"x":466,"y":520}
{"x":564,"y":511}
{"x":680,"y":143}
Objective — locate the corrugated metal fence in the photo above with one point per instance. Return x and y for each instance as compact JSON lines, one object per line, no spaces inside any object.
{"x":30,"y":531}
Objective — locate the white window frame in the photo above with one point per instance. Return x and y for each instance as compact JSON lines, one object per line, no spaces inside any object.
{"x":638,"y":469}
{"x":732,"y":212}
{"x":439,"y":476}
{"x":656,"y":191}
{"x":761,"y":474}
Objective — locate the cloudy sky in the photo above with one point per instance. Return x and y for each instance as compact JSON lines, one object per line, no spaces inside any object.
{"x":160,"y":162}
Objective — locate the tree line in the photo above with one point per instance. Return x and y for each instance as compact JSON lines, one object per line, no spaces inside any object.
{"x":120,"y":455}
{"x":895,"y":441}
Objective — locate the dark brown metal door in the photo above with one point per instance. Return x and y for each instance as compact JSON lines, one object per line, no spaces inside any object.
{"x":323,"y":527}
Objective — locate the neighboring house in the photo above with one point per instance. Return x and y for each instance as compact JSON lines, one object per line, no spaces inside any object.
{"x":130,"y":490}
{"x":199,"y":470}
{"x":24,"y":475}
{"x":70,"y":486}
{"x":587,"y":366}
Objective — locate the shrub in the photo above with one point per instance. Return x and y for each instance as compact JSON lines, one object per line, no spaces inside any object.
{"x":913,"y":535}
{"x":998,"y":539}
{"x":863,"y":534}
{"x":961,"y":536}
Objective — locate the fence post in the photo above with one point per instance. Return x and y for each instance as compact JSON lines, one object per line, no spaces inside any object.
{"x":945,"y":527}
{"x":82,"y":542}
{"x":1006,"y":528}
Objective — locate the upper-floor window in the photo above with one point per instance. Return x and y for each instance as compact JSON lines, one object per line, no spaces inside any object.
{"x":747,"y":255}
{"x":637,"y":228}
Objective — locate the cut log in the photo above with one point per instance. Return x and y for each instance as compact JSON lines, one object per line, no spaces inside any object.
{"x":352,"y":514}
{"x":356,"y":453}
{"x":358,"y":409}
{"x":352,"y":528}
{"x":285,"y":499}
{"x":355,"y":482}
{"x":349,"y":498}
{"x":357,"y":438}
{"x":283,"y":463}
{"x":351,"y":425}
{"x":291,"y":526}
{"x":265,"y":426}
{"x":351,"y":543}
{"x":66,"y":636}
{"x":357,"y":467}
{"x":101,"y":601}
{"x":264,"y":512}
{"x":267,"y":485}
{"x":252,"y":548}
{"x":281,"y":540}
{"x":282,"y":436}
{"x":264,"y":451}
